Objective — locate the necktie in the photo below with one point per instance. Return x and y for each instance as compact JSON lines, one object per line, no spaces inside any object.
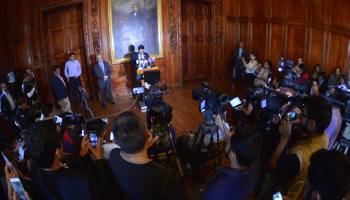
{"x":102,"y":68}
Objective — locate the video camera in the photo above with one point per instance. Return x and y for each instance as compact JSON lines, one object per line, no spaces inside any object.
{"x":210,"y":100}
{"x":69,"y":119}
{"x":285,"y":65}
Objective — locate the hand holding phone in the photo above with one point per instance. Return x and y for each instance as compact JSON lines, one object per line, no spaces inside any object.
{"x":19,"y":189}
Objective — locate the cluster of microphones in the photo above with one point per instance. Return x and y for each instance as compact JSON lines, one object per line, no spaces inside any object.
{"x":144,"y":63}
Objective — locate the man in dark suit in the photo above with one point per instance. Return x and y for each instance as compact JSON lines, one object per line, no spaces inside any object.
{"x":103,"y":74}
{"x":137,"y":60}
{"x":59,"y":89}
{"x":238,"y":67}
{"x":7,"y":103}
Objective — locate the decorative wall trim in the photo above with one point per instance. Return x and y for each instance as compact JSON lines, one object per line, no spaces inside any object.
{"x":95,"y":33}
{"x":172,"y":24}
{"x":219,"y":35}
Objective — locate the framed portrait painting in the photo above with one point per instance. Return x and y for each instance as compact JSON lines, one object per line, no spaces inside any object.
{"x":133,"y":23}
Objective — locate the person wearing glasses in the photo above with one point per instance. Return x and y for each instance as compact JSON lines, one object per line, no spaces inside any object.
{"x":289,"y":163}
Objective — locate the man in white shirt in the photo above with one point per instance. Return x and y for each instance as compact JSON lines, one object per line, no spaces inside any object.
{"x":7,"y":103}
{"x":72,"y":71}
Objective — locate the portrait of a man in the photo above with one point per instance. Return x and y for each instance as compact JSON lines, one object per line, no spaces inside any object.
{"x":135,"y":22}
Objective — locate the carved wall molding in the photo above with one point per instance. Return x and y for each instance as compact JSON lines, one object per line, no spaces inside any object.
{"x":219,"y":35}
{"x":95,"y":31}
{"x":172,"y":24}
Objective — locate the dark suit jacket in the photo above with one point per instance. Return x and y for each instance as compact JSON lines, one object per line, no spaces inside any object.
{"x":99,"y":74}
{"x":5,"y":106}
{"x":58,"y":87}
{"x":236,"y":54}
{"x":323,"y":87}
{"x":135,"y":57}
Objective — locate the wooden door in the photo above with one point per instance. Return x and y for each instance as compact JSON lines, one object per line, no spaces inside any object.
{"x":64,"y":30}
{"x":197,"y":40}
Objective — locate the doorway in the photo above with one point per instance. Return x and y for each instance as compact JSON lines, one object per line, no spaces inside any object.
{"x":64,"y":34}
{"x":197,"y":39}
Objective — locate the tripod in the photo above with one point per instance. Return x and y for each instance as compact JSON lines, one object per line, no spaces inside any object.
{"x":84,"y":105}
{"x":207,"y":146}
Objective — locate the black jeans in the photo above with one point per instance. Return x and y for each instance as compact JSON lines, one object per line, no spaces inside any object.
{"x":74,"y":84}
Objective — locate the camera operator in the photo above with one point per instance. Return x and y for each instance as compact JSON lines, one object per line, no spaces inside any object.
{"x":263,"y":75}
{"x":29,"y":87}
{"x":328,"y":176}
{"x":240,"y":177}
{"x":291,"y":167}
{"x":138,"y":176}
{"x":246,"y":113}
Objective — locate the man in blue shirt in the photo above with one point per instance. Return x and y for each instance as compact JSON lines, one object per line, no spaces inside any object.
{"x":72,"y":71}
{"x":239,"y":179}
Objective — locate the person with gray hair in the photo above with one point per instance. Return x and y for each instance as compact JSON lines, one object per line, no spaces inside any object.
{"x":103,"y":72}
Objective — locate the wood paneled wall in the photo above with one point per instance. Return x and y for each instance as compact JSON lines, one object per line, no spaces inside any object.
{"x":317,"y":30}
{"x":23,"y":44}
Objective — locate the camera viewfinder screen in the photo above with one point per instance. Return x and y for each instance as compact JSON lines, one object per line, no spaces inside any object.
{"x":235,"y":102}
{"x":138,"y":90}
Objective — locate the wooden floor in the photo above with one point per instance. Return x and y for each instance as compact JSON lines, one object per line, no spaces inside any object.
{"x":186,"y":115}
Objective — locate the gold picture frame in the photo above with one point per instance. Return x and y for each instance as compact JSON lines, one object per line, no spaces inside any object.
{"x":112,"y":45}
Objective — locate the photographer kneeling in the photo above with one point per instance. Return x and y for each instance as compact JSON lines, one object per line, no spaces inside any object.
{"x":290,"y":164}
{"x":138,"y":176}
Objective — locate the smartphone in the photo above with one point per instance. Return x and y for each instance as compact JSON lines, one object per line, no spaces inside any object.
{"x":82,"y":134}
{"x":202,"y":106}
{"x":292,"y":116}
{"x":58,"y":120}
{"x":263,"y":104}
{"x":93,"y":138}
{"x":235,"y":102}
{"x":20,"y":152}
{"x":111,"y":136}
{"x":18,"y":188}
{"x":277,"y":196}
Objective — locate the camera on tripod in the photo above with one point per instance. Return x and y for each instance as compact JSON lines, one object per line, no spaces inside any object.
{"x":210,"y":100}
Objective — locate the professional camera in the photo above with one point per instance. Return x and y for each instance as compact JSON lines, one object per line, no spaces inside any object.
{"x":285,"y":65}
{"x":69,"y":119}
{"x":209,"y":99}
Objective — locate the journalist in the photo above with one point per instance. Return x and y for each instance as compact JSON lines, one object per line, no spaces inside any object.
{"x":138,"y":176}
{"x":291,"y":167}
{"x":238,"y":180}
{"x":328,"y":176}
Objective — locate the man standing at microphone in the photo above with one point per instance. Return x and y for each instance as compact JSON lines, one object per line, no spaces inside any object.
{"x":72,"y":71}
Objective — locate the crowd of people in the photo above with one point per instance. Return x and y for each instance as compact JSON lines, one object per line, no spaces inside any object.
{"x":59,"y":155}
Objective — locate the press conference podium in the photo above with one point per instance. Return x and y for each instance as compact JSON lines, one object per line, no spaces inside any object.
{"x":150,"y":75}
